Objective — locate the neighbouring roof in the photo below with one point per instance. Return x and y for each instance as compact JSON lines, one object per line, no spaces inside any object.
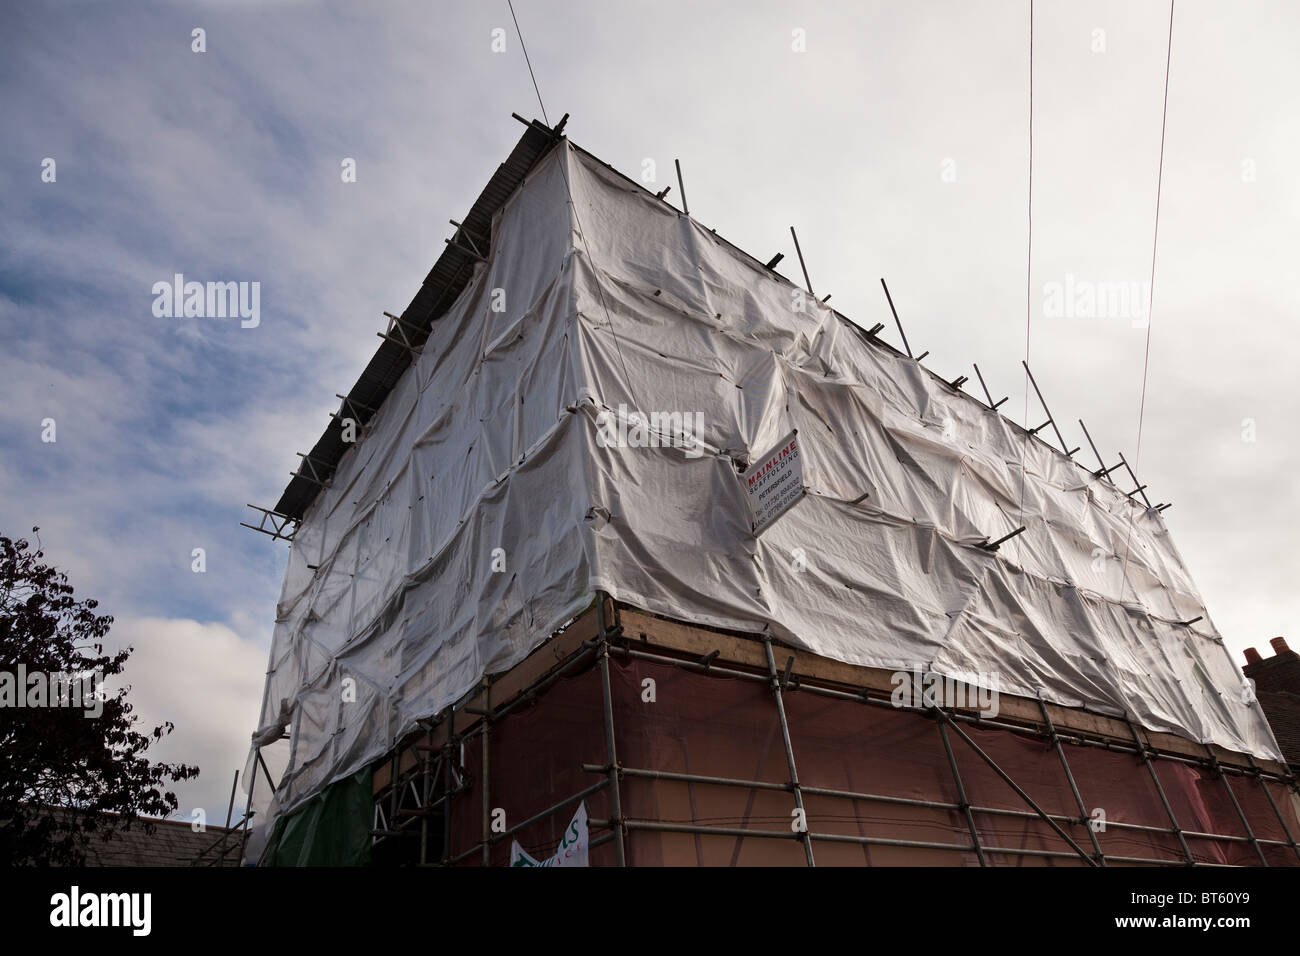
{"x":172,"y":843}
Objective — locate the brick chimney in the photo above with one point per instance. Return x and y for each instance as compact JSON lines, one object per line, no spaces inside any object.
{"x":1279,"y":672}
{"x":1277,"y":686}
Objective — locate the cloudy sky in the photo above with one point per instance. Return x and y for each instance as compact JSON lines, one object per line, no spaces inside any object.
{"x":894,"y":136}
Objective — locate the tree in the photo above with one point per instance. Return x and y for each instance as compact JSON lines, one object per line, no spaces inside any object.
{"x":61,"y":767}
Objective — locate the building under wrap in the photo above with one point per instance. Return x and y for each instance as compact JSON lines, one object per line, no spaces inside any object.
{"x":533,"y":583}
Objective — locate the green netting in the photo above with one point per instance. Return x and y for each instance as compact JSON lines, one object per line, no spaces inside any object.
{"x":333,"y":829}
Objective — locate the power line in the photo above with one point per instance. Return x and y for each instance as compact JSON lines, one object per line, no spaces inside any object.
{"x":1151,"y":291}
{"x":1155,"y":235}
{"x":519,"y":33}
{"x":1029,"y":259}
{"x":582,"y":233}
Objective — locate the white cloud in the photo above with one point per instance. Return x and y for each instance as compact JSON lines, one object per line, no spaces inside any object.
{"x":204,"y":678}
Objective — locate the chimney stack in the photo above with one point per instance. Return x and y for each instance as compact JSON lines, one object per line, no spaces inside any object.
{"x":1277,"y":688}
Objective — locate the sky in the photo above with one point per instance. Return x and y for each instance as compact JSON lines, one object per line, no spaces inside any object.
{"x":893,"y":136}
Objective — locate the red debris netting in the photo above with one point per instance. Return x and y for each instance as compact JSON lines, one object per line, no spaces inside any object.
{"x":1263,"y":817}
{"x":711,"y":726}
{"x":671,"y":720}
{"x":844,"y":745}
{"x":535,"y":758}
{"x":1014,"y":839}
{"x":1201,"y":802}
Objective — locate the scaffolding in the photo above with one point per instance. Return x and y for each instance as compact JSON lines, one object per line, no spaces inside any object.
{"x":427,"y":783}
{"x":228,"y":848}
{"x":379,"y":581}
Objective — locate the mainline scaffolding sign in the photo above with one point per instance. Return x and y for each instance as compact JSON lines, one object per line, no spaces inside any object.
{"x":774,"y":483}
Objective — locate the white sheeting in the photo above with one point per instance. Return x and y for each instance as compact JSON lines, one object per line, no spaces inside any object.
{"x":489,"y":441}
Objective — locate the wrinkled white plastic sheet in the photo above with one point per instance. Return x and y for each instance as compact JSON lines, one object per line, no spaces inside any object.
{"x":490,"y":441}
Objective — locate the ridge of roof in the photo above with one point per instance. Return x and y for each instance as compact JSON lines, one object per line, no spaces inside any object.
{"x":440,"y":289}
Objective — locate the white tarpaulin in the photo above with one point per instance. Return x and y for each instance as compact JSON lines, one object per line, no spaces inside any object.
{"x":479,"y":511}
